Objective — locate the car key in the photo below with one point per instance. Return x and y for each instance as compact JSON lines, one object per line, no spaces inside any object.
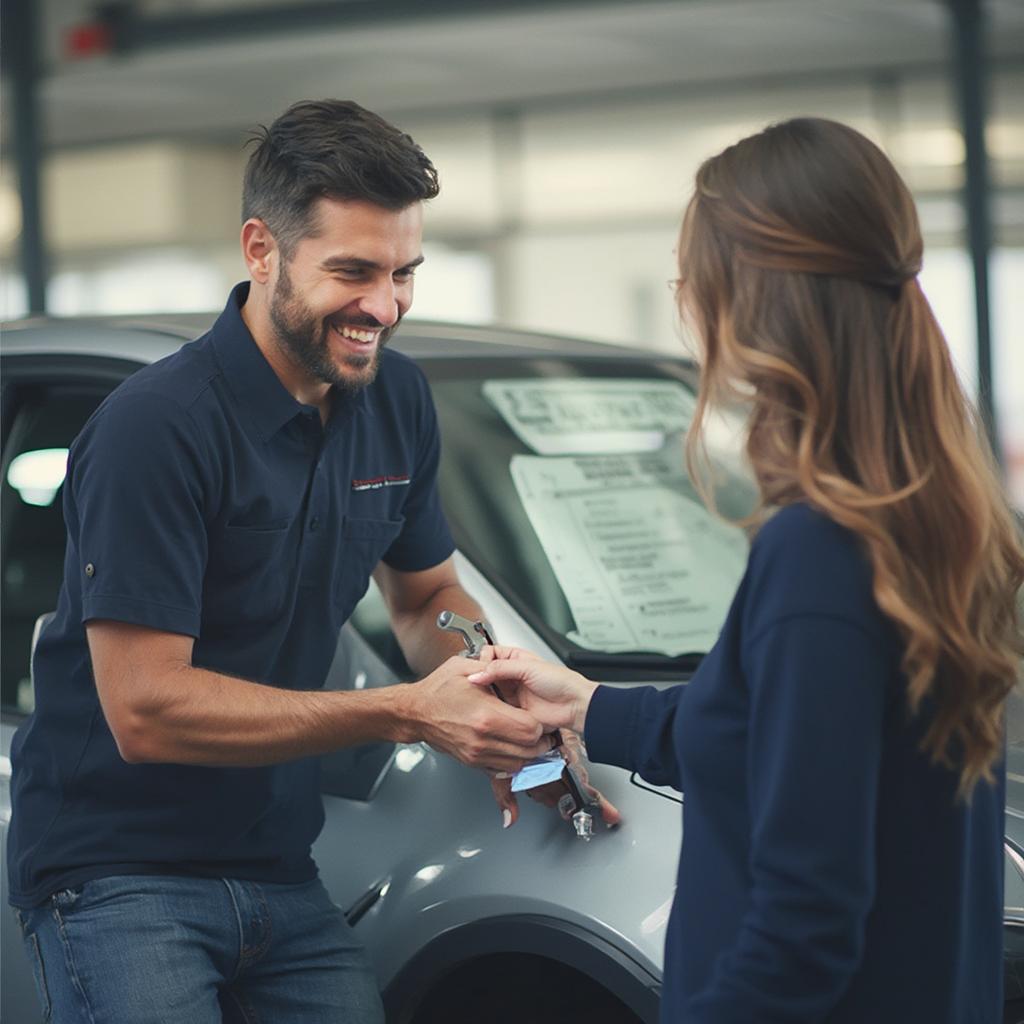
{"x":583,"y":809}
{"x":477,"y":634}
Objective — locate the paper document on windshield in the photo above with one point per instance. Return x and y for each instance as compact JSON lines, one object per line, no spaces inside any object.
{"x":643,"y":565}
{"x":566,"y":416}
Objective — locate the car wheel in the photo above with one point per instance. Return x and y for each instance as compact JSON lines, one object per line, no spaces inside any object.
{"x":511,"y":989}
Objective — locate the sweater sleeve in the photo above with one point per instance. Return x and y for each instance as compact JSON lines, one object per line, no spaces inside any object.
{"x":632,"y":728}
{"x":817,"y":698}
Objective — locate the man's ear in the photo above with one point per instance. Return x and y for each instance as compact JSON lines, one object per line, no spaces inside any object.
{"x":259,"y":250}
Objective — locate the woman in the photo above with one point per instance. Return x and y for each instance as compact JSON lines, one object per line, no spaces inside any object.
{"x":841,"y":746}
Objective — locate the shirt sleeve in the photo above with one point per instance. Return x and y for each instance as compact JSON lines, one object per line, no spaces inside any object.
{"x":425,"y":540}
{"x":632,"y":728}
{"x":817,"y":699}
{"x":137,"y":514}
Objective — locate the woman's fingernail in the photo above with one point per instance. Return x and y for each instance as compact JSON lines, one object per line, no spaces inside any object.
{"x":503,"y":775}
{"x":506,"y":818}
{"x":475,"y":676}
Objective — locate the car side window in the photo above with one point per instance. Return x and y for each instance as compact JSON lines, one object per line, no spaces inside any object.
{"x":44,"y":420}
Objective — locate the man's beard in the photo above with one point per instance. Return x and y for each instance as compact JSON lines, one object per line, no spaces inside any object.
{"x":305,"y":340}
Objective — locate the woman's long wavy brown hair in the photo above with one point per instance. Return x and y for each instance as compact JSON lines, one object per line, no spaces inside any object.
{"x":798,"y":259}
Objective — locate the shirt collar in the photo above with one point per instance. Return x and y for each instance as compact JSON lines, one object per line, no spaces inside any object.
{"x":249,"y":376}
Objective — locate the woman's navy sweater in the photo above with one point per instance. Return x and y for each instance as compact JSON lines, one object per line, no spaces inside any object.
{"x":828,"y":872}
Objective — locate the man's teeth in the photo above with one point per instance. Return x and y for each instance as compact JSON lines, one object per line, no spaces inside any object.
{"x":364,"y":336}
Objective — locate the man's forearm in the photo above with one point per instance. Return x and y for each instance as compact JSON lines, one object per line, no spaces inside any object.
{"x":163,"y":709}
{"x":209,"y":719}
{"x":214,"y":719}
{"x":423,"y":644}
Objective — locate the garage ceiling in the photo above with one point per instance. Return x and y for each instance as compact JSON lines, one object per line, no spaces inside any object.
{"x":502,"y":54}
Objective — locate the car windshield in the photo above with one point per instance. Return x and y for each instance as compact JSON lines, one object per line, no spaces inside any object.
{"x":565,"y":482}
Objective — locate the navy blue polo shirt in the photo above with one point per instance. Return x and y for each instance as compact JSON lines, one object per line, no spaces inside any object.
{"x":203,"y":499}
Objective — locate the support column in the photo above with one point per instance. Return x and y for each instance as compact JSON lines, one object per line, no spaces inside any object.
{"x":21,"y":59}
{"x":968,"y":28}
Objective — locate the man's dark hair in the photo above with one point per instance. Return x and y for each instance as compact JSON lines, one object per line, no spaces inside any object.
{"x":331,"y":149}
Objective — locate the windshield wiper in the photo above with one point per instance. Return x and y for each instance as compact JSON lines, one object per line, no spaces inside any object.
{"x":643,"y":661}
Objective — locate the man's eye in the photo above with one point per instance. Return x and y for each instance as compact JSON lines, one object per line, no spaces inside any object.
{"x":405,"y":275}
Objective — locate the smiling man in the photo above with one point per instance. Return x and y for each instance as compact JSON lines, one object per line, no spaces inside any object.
{"x":333,"y":308}
{"x":223,"y":520}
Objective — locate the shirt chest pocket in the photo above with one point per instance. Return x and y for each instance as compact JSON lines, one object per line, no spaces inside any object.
{"x":363,"y":544}
{"x":251,"y":569}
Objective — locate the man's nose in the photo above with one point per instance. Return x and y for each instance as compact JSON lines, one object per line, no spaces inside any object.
{"x":381,"y":302}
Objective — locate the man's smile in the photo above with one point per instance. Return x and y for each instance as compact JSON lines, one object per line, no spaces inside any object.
{"x":361,"y":334}
{"x":360,"y":340}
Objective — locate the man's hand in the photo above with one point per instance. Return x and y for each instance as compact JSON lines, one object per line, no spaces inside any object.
{"x":470,"y":723}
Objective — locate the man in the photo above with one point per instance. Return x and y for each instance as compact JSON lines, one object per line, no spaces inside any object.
{"x":165,"y":793}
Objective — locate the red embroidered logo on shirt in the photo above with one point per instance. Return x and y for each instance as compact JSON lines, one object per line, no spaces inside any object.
{"x":375,"y":483}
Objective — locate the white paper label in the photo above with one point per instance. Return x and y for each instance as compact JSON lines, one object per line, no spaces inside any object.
{"x":559,"y":417}
{"x":643,"y":565}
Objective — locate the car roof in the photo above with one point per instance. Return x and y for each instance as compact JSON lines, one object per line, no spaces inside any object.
{"x":148,"y":338}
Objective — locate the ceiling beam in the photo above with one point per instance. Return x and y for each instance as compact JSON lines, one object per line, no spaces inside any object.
{"x":131,"y":31}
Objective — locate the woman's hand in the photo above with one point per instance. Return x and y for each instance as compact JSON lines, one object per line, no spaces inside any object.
{"x":554,"y":695}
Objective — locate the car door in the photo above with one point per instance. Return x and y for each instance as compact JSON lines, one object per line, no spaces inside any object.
{"x":46,"y":401}
{"x":45,"y":406}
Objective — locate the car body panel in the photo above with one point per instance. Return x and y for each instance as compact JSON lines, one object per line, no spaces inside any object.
{"x":453,"y":863}
{"x":148,"y":339}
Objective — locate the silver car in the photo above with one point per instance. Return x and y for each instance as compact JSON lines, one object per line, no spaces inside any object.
{"x":580,"y":534}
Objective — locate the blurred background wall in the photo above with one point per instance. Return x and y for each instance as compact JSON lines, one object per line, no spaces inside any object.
{"x":566,"y":135}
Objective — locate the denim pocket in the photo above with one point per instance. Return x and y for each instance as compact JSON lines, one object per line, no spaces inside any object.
{"x":99,"y":892}
{"x":38,"y":972}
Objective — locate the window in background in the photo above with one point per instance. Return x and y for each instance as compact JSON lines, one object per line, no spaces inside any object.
{"x":451,"y":285}
{"x":454,"y":285}
{"x":946,"y":281}
{"x":13,"y":294}
{"x":147,"y":282}
{"x":1008,"y":363}
{"x":626,"y":163}
{"x":1006,"y":146}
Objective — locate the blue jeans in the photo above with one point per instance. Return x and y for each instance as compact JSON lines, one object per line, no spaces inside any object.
{"x":138,"y":949}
